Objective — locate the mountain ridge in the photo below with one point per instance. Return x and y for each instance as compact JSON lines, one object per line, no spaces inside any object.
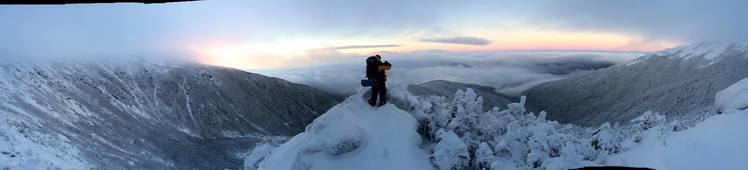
{"x":678,"y":82}
{"x":151,"y":115}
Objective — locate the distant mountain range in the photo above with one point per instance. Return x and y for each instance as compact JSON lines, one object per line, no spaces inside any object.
{"x":134,"y":115}
{"x":680,"y":82}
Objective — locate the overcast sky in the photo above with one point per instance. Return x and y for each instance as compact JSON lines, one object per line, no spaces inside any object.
{"x":258,"y":34}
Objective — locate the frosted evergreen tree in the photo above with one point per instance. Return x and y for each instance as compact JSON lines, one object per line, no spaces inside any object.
{"x":516,"y":139}
{"x":483,"y":156}
{"x":466,"y":107}
{"x":450,"y":152}
{"x":649,"y":124}
{"x":606,"y":139}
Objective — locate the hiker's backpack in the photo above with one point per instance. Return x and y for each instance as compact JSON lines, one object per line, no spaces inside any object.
{"x":371,"y":67}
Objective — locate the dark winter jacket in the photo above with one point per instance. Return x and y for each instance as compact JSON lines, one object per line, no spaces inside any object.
{"x":375,"y":69}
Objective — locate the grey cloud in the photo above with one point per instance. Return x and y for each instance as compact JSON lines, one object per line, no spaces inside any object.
{"x":459,"y":40}
{"x":365,"y":46}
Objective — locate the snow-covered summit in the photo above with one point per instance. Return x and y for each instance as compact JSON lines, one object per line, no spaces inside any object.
{"x":353,"y":135}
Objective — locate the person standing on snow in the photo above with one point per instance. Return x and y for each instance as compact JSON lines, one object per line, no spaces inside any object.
{"x":375,"y":71}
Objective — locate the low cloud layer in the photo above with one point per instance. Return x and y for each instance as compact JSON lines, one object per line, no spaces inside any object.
{"x":459,"y":40}
{"x":509,"y":72}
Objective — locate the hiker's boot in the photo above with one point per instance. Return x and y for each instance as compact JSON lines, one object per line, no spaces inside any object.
{"x":373,"y":103}
{"x":382,"y":103}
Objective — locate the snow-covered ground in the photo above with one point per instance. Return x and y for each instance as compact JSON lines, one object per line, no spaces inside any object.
{"x":717,"y":143}
{"x":460,"y":135}
{"x":353,"y":135}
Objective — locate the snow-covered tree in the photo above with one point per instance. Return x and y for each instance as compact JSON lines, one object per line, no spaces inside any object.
{"x":483,"y":156}
{"x":606,"y":139}
{"x":465,"y":110}
{"x":450,"y":152}
{"x":649,"y":125}
{"x":516,"y":139}
{"x":648,"y":120}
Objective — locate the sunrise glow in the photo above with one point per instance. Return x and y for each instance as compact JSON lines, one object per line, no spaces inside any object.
{"x":292,"y":53}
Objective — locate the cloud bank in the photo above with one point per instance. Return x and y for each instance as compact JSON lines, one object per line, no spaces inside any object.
{"x":365,"y":46}
{"x":459,"y":40}
{"x":509,"y":72}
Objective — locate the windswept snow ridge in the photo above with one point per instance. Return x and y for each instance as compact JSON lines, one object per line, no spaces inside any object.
{"x":734,"y":97}
{"x":354,"y":135}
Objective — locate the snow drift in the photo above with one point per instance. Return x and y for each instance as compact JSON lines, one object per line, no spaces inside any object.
{"x":353,"y":135}
{"x":734,"y":97}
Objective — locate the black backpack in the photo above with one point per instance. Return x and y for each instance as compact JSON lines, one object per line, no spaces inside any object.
{"x":372,"y":67}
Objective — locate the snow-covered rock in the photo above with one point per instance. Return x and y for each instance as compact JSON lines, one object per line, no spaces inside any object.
{"x":354,"y":135}
{"x":734,"y":97}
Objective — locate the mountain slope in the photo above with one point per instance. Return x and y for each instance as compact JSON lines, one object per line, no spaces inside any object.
{"x":154,"y":116}
{"x":679,"y":82}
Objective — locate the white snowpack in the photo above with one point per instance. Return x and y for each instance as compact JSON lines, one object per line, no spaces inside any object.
{"x":353,"y":135}
{"x":734,"y":97}
{"x":717,"y":143}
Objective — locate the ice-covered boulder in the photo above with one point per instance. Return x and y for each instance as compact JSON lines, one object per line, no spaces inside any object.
{"x":354,"y":135}
{"x":734,"y":97}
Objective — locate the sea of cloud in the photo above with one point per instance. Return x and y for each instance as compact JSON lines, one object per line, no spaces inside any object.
{"x":508,"y":72}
